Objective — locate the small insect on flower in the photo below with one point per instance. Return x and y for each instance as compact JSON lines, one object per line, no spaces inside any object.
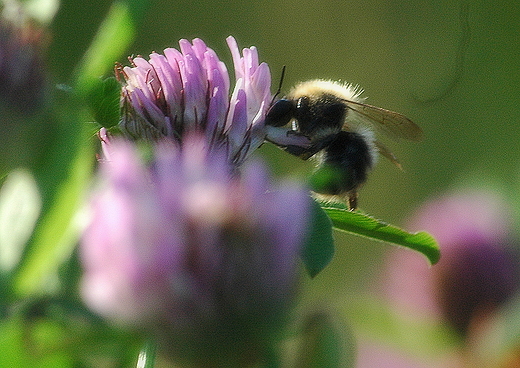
{"x":338,"y":124}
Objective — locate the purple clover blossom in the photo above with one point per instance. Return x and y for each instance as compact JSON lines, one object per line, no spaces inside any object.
{"x":478,"y":271}
{"x":203,"y":259}
{"x":476,"y":275}
{"x":180,"y":92}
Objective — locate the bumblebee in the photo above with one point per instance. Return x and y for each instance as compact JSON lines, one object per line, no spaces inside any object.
{"x":337,"y":125}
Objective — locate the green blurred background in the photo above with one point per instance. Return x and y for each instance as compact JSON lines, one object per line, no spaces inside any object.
{"x":452,"y":67}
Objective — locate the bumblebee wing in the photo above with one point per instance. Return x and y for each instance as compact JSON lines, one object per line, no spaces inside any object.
{"x":392,"y":123}
{"x":385,"y":152}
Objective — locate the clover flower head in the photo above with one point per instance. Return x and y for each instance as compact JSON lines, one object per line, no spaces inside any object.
{"x":202,"y":258}
{"x":188,"y":90}
{"x":477,"y":272}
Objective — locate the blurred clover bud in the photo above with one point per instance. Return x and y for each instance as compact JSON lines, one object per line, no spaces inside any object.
{"x":178,"y":92}
{"x":478,"y":271}
{"x":22,"y":78}
{"x":203,"y":259}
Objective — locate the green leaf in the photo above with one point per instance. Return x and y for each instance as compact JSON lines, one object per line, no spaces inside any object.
{"x":17,"y":350}
{"x":103,"y":100}
{"x":319,"y":247}
{"x":54,"y":332}
{"x":113,"y":38}
{"x":58,"y":230}
{"x":11,"y":339}
{"x":147,"y":355}
{"x":367,"y":226}
{"x":328,"y":179}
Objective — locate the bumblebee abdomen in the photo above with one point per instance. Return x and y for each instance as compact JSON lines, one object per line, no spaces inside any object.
{"x":346,"y":162}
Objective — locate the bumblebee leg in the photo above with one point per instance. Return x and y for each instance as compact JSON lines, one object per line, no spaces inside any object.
{"x":352,"y":200}
{"x":302,"y":152}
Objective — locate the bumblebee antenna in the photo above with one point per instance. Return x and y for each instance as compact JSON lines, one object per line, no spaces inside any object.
{"x":282,"y":76}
